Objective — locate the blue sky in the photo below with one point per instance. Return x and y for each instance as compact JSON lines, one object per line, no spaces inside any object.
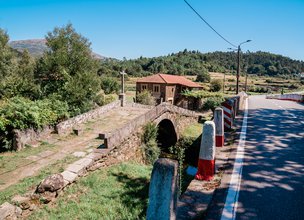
{"x":133,"y":28}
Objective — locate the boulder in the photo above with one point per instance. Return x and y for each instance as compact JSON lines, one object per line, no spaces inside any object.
{"x":51,"y":184}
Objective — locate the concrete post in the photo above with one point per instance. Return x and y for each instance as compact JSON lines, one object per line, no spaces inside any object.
{"x":219,"y":127}
{"x":122,"y":95}
{"x":206,"y":165}
{"x":163,"y":190}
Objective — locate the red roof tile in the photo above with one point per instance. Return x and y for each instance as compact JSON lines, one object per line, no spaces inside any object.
{"x":169,"y":79}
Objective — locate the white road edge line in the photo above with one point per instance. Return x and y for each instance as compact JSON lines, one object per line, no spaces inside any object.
{"x":231,"y":203}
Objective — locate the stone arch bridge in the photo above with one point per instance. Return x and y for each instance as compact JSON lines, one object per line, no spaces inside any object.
{"x":171,"y":121}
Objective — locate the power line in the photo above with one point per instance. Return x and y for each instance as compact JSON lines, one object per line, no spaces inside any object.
{"x":209,"y":25}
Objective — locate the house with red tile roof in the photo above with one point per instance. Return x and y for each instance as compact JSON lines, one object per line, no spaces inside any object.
{"x":165,"y":87}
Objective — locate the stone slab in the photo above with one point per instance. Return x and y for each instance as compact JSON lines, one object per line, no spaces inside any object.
{"x":9,"y":211}
{"x":76,"y":168}
{"x":69,"y":176}
{"x":94,"y":156}
{"x":85,"y":162}
{"x":79,"y":154}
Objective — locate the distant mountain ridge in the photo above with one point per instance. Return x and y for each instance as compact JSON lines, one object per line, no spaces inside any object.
{"x":36,"y":47}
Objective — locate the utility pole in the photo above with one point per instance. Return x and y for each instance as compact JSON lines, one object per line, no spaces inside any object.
{"x":246,"y":79}
{"x":238,"y":69}
{"x":238,"y":64}
{"x":224,"y":82}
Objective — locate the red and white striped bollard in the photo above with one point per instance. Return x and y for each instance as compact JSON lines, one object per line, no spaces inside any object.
{"x":206,"y":163}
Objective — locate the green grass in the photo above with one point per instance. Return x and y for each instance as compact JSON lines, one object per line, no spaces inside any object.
{"x":117,"y":192}
{"x":30,"y":183}
{"x":194,"y":130}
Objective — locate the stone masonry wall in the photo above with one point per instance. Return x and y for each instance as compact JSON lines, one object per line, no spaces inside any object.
{"x":29,"y":136}
{"x":67,"y":126}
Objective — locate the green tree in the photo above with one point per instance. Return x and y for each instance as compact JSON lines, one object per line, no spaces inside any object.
{"x":203,"y":76}
{"x":69,"y":69}
{"x":7,"y":61}
{"x":109,"y":85}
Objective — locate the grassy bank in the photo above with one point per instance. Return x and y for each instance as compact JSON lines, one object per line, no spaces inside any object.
{"x":116,"y":192}
{"x":30,"y":183}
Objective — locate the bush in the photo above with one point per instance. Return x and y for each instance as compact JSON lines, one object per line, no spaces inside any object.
{"x":212,"y":102}
{"x":203,"y":76}
{"x":22,"y":113}
{"x":145,"y":98}
{"x":216,"y":85}
{"x":103,"y":99}
{"x":151,"y":151}
{"x":109,"y":85}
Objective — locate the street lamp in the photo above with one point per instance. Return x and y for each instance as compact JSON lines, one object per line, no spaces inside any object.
{"x":238,"y":63}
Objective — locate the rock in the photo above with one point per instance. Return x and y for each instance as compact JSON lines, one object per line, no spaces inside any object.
{"x":22,"y":201}
{"x":9,"y":211}
{"x":79,"y":154}
{"x":48,"y":197}
{"x":51,"y":183}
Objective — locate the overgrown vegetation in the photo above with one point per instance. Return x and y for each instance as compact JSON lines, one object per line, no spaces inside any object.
{"x":151,"y":151}
{"x":179,"y":151}
{"x":22,"y":113}
{"x":210,"y":100}
{"x":145,"y":98}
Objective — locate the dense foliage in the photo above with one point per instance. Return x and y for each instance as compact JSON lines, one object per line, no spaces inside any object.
{"x":22,"y":113}
{"x":63,"y":82}
{"x":195,"y":63}
{"x":151,"y":151}
{"x":260,"y":63}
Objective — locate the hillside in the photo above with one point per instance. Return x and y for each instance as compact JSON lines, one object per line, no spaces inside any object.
{"x":36,"y":47}
{"x":194,"y":62}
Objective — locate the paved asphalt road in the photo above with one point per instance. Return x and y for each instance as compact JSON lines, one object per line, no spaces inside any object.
{"x":272,"y":185}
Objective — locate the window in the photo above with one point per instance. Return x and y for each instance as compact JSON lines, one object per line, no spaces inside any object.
{"x":172,"y":90}
{"x":156,"y":88}
{"x":144,"y":87}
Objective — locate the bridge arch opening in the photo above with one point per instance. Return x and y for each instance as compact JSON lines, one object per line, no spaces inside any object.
{"x":166,"y":136}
